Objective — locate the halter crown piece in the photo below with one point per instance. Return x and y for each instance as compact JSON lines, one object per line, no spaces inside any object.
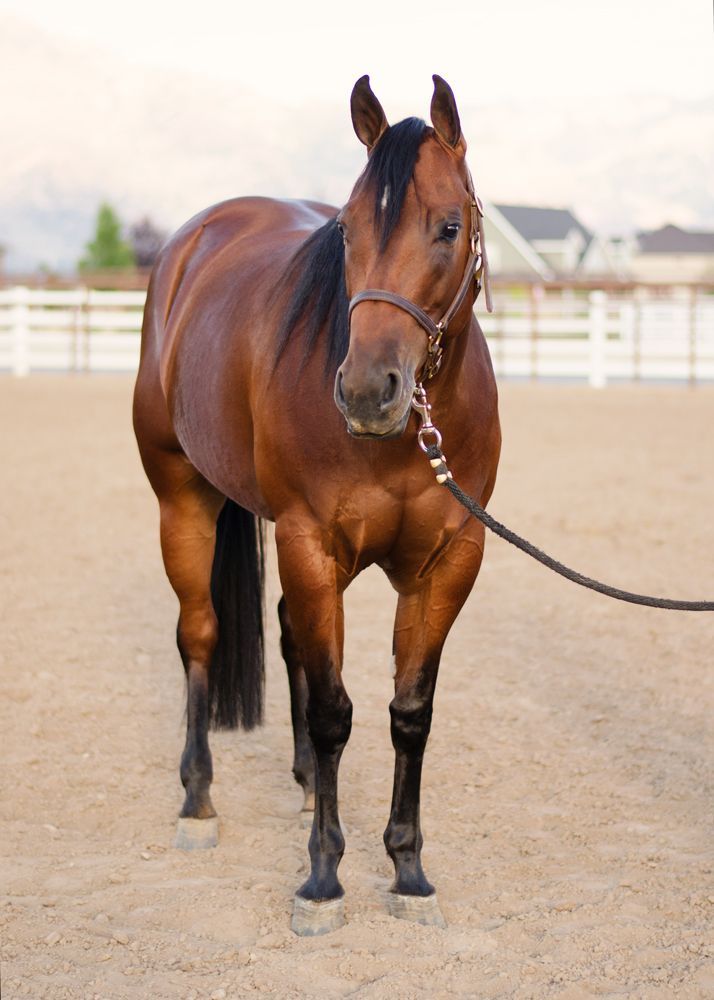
{"x":476,"y":269}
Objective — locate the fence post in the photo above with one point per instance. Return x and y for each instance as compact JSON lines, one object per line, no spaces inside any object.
{"x":693,"y":335}
{"x":21,"y":331}
{"x":597,"y":334}
{"x":84,"y":364}
{"x":536,"y":297}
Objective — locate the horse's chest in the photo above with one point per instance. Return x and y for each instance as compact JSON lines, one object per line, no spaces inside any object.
{"x":362,"y":529}
{"x":378,"y":528}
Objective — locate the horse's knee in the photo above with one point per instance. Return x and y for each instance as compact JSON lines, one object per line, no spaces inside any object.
{"x":329,"y":720}
{"x":411,"y":723}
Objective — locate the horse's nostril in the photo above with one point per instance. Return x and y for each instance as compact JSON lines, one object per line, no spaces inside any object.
{"x":339,"y":393}
{"x":391,"y":391}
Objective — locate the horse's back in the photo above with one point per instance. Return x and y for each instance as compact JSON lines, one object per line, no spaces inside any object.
{"x":236,"y":248}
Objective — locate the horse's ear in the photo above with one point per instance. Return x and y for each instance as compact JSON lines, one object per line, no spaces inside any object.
{"x":444,"y":116}
{"x":368,"y":118}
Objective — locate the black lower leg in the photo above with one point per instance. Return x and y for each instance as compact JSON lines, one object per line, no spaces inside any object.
{"x":196,"y":761}
{"x":402,"y":837}
{"x":303,"y":758}
{"x":329,"y":724}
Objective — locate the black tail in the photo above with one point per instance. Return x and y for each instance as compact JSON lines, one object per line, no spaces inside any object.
{"x":237,"y":674}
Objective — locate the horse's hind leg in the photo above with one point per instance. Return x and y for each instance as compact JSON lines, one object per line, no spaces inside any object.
{"x":303,"y":760}
{"x":189,"y":509}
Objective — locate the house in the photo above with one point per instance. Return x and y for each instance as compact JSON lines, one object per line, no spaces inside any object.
{"x":509,"y":253}
{"x":672,"y":255}
{"x":558,"y":244}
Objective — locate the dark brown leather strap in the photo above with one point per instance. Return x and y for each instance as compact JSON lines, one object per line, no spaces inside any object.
{"x":423,"y":319}
{"x":380,"y":295}
{"x":485,"y":268}
{"x":476,"y":267}
{"x":471,"y":266}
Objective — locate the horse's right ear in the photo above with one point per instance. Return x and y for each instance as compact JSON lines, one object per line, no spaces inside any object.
{"x":368,"y":118}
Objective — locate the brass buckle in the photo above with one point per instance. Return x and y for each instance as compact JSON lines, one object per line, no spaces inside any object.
{"x":434,"y":353}
{"x":434,"y":345}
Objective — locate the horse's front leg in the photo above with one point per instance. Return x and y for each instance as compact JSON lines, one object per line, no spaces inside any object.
{"x":425,"y":614}
{"x":309,"y":578}
{"x":303,"y":759}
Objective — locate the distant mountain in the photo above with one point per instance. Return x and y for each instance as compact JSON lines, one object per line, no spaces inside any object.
{"x":81,"y":126}
{"x":622,"y":166}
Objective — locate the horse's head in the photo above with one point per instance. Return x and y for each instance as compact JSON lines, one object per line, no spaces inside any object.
{"x":408,"y":230}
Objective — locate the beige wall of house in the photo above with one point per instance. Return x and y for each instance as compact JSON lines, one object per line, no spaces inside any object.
{"x":672,"y":267}
{"x":503,"y":256}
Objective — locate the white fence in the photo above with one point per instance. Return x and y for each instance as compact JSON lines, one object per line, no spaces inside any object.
{"x":535,"y":332}
{"x":78,"y":329}
{"x":635,"y":333}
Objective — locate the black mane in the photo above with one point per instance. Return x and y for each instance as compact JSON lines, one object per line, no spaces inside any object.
{"x":319,"y":299}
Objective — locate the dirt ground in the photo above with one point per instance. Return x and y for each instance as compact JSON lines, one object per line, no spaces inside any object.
{"x":568,"y":782}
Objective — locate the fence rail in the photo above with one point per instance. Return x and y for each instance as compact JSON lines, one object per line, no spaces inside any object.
{"x":536,"y":331}
{"x":77,"y":329}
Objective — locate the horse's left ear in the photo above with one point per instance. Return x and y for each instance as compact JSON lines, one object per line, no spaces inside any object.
{"x":444,"y":116}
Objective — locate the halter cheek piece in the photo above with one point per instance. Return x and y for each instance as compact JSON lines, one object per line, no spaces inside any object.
{"x":476,"y":269}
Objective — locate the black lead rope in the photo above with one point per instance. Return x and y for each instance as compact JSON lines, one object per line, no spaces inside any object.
{"x":443,"y":475}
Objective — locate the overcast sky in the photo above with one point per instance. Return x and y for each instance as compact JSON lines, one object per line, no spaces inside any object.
{"x":500,"y":49}
{"x":605,"y":107}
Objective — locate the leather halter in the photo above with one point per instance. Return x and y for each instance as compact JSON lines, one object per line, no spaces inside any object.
{"x":476,"y":268}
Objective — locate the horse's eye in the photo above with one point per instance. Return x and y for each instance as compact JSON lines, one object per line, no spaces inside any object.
{"x":341,"y":230}
{"x":449,"y":232}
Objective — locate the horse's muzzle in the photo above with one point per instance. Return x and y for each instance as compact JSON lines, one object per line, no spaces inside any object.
{"x":376,"y":405}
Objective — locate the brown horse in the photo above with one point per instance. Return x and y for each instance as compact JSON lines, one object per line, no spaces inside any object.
{"x":249,"y":341}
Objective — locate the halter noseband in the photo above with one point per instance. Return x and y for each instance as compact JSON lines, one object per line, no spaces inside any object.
{"x":476,"y":268}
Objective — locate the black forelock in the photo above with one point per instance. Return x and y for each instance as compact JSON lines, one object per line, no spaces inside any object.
{"x":389,"y":171}
{"x":318,"y":301}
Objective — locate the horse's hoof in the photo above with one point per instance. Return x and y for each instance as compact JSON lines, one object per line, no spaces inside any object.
{"x":196,"y":834}
{"x":311,"y":917}
{"x":418,"y":909}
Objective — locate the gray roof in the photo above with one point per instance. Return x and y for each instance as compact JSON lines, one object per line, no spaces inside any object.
{"x":543,"y":223}
{"x":672,"y":239}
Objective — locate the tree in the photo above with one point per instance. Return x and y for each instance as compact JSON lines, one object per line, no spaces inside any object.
{"x":107,"y":249}
{"x":146,"y":240}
